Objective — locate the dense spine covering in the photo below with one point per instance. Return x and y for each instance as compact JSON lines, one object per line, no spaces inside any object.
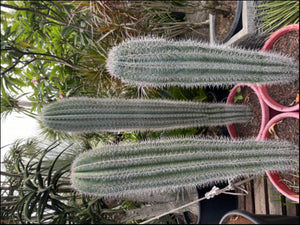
{"x":158,"y":62}
{"x":84,"y":115}
{"x":132,"y":170}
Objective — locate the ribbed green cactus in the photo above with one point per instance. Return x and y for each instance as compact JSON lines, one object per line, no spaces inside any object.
{"x":168,"y":164}
{"x":158,"y":62}
{"x":83,"y":114}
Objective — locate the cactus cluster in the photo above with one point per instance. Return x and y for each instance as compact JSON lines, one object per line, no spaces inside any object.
{"x":85,"y":115}
{"x":158,"y":62}
{"x":128,"y":170}
{"x":168,"y":164}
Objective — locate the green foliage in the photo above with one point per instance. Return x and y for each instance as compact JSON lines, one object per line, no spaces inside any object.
{"x":85,"y":115}
{"x":158,"y":62}
{"x":43,"y":186}
{"x":35,"y":54}
{"x":136,"y":136}
{"x":52,"y":54}
{"x":181,"y":93}
{"x":11,"y":104}
{"x":238,"y":96}
{"x":277,"y":14}
{"x":60,"y":47}
{"x":143,"y":168}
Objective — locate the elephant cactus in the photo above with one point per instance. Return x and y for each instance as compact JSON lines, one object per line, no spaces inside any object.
{"x":158,"y":62}
{"x":85,"y":115}
{"x":131,"y":170}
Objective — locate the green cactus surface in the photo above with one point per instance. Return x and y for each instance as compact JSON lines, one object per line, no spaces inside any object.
{"x":158,"y":62}
{"x":168,"y":164}
{"x":85,"y":115}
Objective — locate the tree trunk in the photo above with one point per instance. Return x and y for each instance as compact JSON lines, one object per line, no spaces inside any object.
{"x":217,"y":7}
{"x":65,"y":189}
{"x":10,"y":174}
{"x":5,"y":204}
{"x":3,"y":198}
{"x":8,"y":188}
{"x":24,"y":104}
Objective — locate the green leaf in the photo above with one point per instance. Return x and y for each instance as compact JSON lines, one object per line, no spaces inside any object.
{"x":17,"y":81}
{"x":38,"y":171}
{"x":236,"y":98}
{"x":42,"y":35}
{"x":53,"y":72}
{"x":26,"y":211}
{"x":67,"y":31}
{"x":177,"y":93}
{"x":17,"y":71}
{"x":58,"y":174}
{"x":42,"y":205}
{"x":69,"y":92}
{"x":26,"y":171}
{"x":33,"y":204}
{"x":29,"y":184}
{"x":20,"y":204}
{"x":53,"y":163}
{"x":4,"y":44}
{"x":34,"y":106}
{"x":15,"y":26}
{"x":4,"y":95}
{"x":16,"y":54}
{"x":58,"y":205}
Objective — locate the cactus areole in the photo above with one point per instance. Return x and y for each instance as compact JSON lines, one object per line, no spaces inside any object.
{"x":132,"y":170}
{"x":158,"y":62}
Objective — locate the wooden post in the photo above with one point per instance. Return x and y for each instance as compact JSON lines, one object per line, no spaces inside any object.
{"x":260,"y":195}
{"x":274,"y":199}
{"x":249,"y":198}
{"x":291,"y":207}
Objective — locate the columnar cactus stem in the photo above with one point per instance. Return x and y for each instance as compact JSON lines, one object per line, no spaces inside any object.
{"x":83,"y":114}
{"x":168,"y":164}
{"x":158,"y":62}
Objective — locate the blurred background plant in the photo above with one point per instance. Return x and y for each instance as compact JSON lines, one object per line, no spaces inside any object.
{"x":11,"y":104}
{"x":57,"y":49}
{"x":37,"y":186}
{"x":277,"y":14}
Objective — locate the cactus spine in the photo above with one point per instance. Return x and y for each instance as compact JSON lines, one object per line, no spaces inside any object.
{"x":159,"y":62}
{"x":83,"y":114}
{"x":168,"y":164}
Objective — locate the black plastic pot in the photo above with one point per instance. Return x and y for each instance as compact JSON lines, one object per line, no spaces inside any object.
{"x":217,"y":94}
{"x":236,"y":26}
{"x":178,"y":16}
{"x":212,"y":210}
{"x":261,"y":219}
